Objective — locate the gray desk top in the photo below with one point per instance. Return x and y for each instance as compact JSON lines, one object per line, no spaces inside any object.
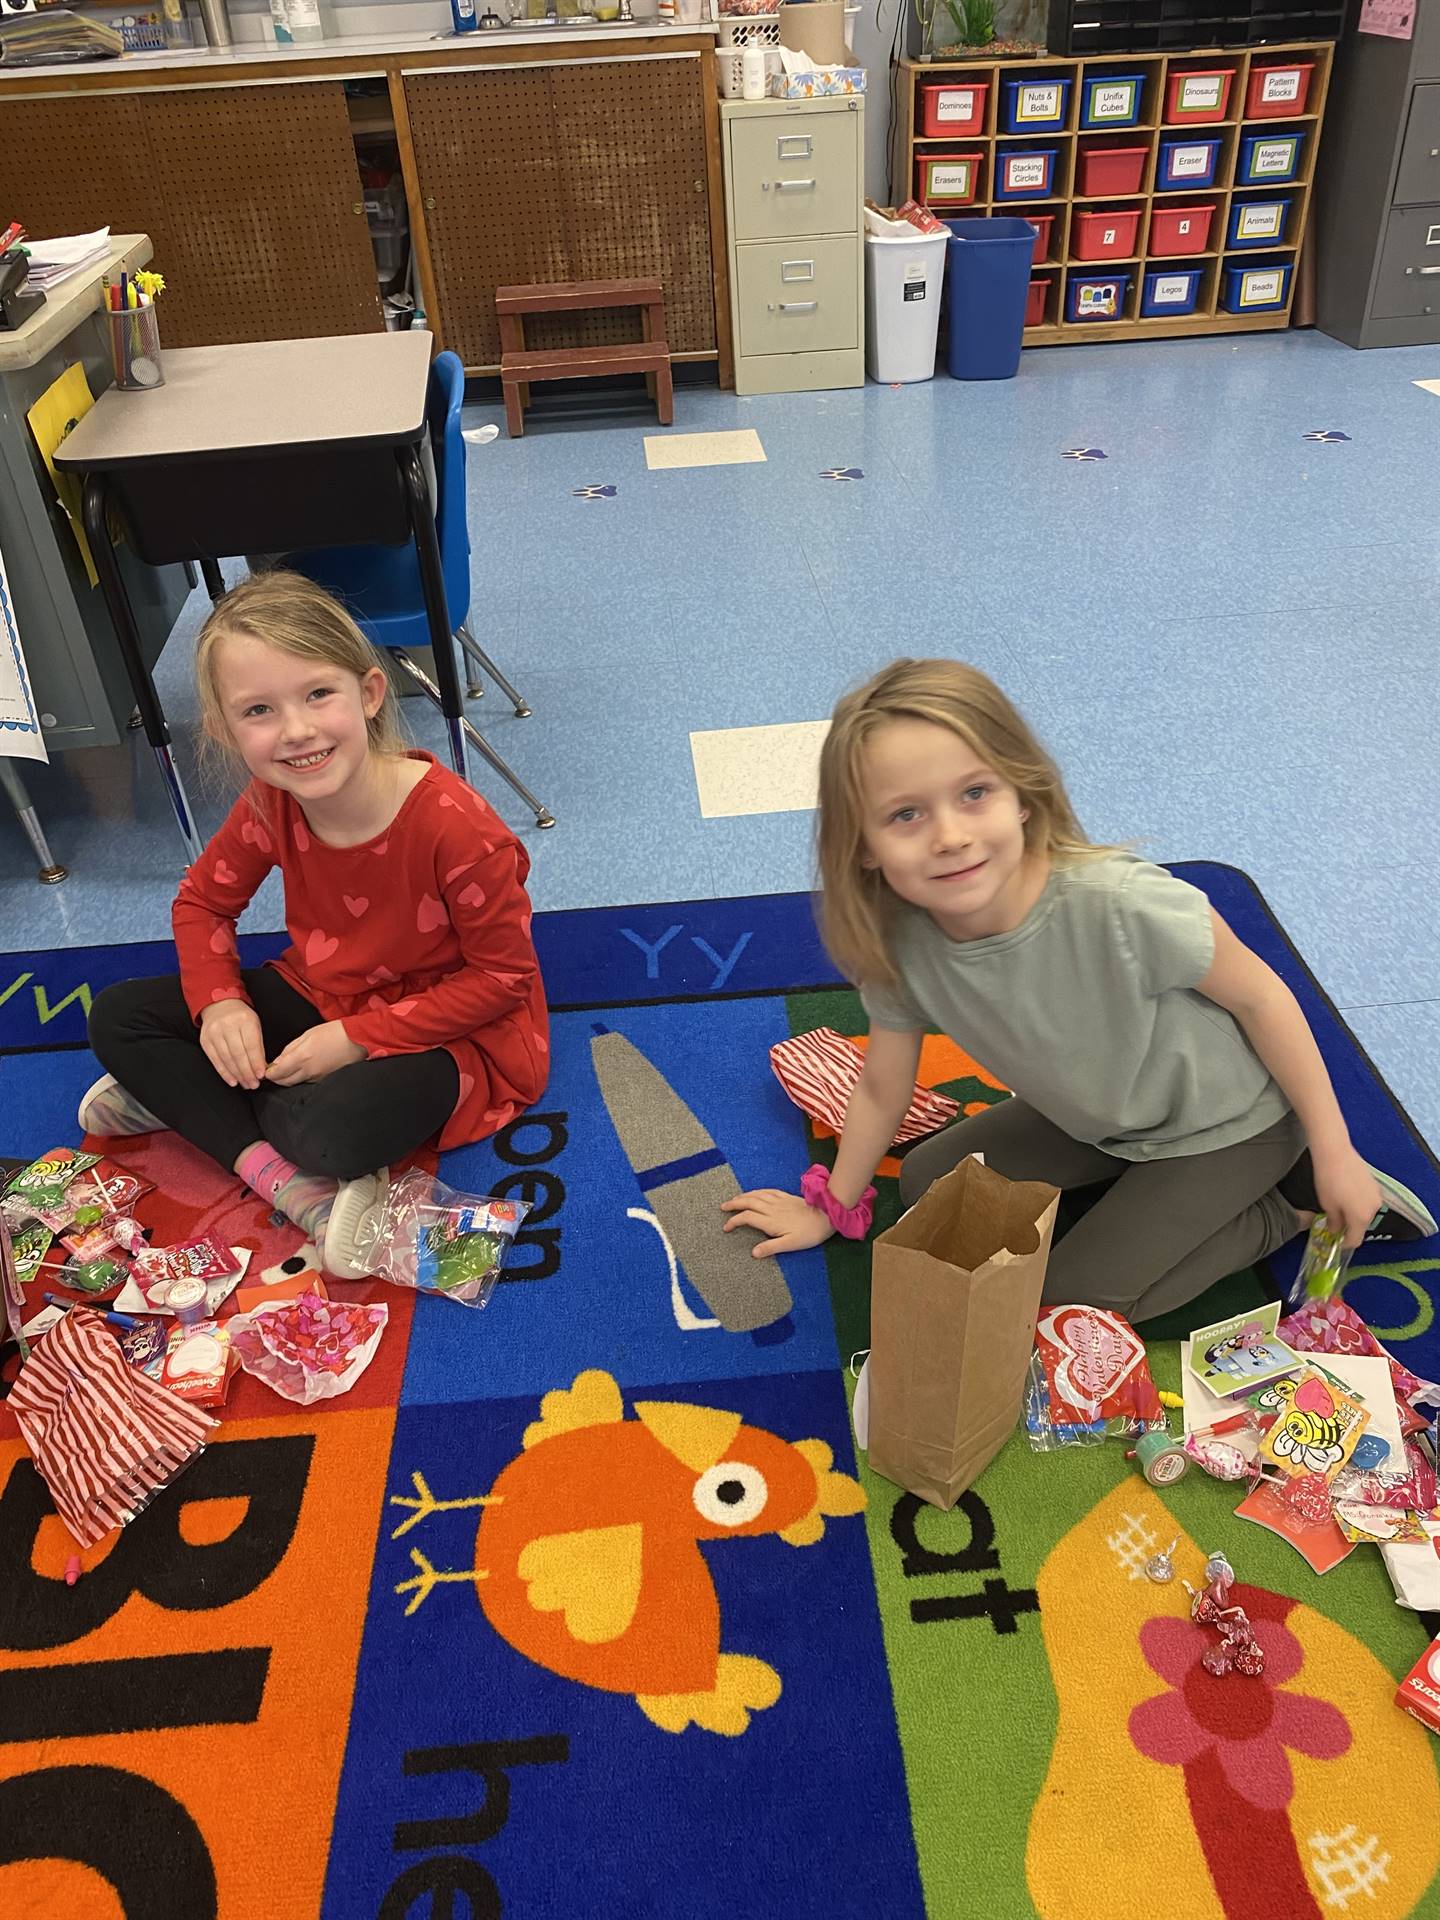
{"x":263,"y":394}
{"x":67,"y":305}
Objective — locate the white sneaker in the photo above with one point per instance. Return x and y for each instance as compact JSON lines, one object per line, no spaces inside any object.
{"x":348,"y":1228}
{"x":108,"y":1109}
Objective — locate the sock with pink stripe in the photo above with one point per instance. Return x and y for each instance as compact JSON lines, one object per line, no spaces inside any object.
{"x":305,"y":1198}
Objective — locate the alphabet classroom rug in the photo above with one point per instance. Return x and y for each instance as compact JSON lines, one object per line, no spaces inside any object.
{"x":579,"y":1606}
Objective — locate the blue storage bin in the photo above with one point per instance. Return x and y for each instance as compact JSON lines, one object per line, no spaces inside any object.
{"x":1186,"y":162}
{"x":1260,"y":222}
{"x":1025,"y":173}
{"x":987,"y":284}
{"x":1035,"y":103}
{"x":1255,"y":286}
{"x":1269,"y":159}
{"x":1167,"y":290}
{"x":1111,"y":99}
{"x":1097,"y":296}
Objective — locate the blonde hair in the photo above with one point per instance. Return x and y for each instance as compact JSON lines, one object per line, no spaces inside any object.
{"x":857,"y":904}
{"x":287,"y":611}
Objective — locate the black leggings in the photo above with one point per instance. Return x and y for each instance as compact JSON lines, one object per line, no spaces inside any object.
{"x":356,"y":1120}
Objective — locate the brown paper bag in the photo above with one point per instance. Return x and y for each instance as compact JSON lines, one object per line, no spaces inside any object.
{"x":954,"y":1296}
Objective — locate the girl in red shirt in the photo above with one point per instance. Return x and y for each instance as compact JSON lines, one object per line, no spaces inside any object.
{"x":409,"y":1003}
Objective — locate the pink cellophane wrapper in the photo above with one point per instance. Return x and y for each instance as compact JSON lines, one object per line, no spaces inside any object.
{"x":1329,"y":1326}
{"x":309,"y":1349}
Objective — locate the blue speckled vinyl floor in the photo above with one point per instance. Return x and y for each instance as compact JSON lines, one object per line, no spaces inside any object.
{"x":1227,"y":634}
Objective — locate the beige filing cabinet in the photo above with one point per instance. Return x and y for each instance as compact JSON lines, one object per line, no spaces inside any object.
{"x":794,"y":185}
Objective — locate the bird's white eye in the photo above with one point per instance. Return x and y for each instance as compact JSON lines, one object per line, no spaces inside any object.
{"x":731,"y":1494}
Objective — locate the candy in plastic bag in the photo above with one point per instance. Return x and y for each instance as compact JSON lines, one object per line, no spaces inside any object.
{"x":1089,"y":1380}
{"x":423,"y":1234}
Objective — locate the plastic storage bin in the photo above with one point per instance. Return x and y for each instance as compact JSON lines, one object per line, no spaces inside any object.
{"x":987,"y":282}
{"x":1025,"y":173}
{"x":1111,"y":99}
{"x":1107,"y":235}
{"x":1035,"y":103}
{"x":1278,"y":90}
{"x":1258,"y":223}
{"x":1097,"y":296}
{"x":1111,"y":169}
{"x":1186,"y":163}
{"x":1043,"y":224}
{"x":904,"y":275}
{"x":1256,"y":286}
{"x":1180,"y":229}
{"x":1198,"y":98}
{"x":1035,"y":301}
{"x":1167,"y":290}
{"x":953,"y":107}
{"x":1267,"y":159}
{"x":950,"y":179}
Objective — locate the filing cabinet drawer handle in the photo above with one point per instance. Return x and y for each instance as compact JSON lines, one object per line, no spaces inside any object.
{"x":1422,"y":270}
{"x":794,"y":186}
{"x":794,"y":146}
{"x":795,"y":306}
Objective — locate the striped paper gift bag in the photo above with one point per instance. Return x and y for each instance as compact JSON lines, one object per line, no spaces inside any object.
{"x":105,"y":1438}
{"x":819,"y":1070}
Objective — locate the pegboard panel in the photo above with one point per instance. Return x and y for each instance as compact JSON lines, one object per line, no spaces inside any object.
{"x":579,"y":170}
{"x":248,"y":194}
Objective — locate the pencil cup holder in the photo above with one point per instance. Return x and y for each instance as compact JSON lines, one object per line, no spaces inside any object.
{"x":135,"y":347}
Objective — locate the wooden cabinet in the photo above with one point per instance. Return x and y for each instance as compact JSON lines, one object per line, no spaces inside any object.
{"x":251,"y":196}
{"x":577,"y":170}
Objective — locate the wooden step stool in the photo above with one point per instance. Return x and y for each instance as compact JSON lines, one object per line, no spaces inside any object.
{"x":649,"y":355}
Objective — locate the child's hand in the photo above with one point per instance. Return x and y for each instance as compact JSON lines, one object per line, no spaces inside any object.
{"x":787,"y":1221}
{"x":1348,"y":1193}
{"x":231,"y":1037}
{"x":318,"y":1051}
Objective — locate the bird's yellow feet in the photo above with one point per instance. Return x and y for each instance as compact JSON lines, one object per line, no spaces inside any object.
{"x":743,"y":1685}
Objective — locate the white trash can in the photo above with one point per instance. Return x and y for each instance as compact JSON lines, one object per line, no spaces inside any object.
{"x":903,"y":277}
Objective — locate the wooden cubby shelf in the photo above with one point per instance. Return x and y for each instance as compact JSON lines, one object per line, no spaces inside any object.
{"x":1059,"y":264}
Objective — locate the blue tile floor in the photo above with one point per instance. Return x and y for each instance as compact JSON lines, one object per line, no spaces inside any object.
{"x":1225,"y":632}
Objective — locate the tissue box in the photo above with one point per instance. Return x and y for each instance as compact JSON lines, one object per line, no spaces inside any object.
{"x":821,"y":84}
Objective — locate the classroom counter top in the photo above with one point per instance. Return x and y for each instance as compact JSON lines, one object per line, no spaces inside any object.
{"x":349,"y":55}
{"x":68,"y":304}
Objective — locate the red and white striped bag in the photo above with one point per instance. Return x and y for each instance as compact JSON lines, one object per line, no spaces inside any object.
{"x":104,"y":1437}
{"x":819,"y":1070}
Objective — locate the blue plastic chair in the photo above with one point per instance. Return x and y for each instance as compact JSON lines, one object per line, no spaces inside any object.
{"x":381,"y":585}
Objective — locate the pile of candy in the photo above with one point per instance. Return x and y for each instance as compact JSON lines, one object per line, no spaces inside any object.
{"x":311,"y":1348}
{"x":423,"y":1234}
{"x":1237,"y":1646}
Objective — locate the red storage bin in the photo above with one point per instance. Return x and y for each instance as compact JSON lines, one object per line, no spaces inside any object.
{"x":1035,"y":303}
{"x":1198,"y":98}
{"x":1278,"y":90}
{"x":952,"y":107}
{"x":1111,"y":170}
{"x":1177,"y":230}
{"x":1042,"y":223}
{"x":950,"y":179}
{"x":1110,"y":235}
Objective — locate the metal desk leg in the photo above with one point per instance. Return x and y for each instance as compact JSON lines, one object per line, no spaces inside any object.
{"x":51,"y":873}
{"x":432,"y":586}
{"x":117,"y":601}
{"x":214,"y":579}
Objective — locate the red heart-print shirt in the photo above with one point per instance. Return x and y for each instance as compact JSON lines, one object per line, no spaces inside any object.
{"x":418,"y":938}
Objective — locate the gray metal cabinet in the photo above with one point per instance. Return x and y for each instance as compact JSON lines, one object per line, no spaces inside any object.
{"x":1377,"y":208}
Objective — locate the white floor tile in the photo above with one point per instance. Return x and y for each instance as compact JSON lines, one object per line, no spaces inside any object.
{"x":758,"y":769}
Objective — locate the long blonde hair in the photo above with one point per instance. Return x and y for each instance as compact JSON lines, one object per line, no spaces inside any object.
{"x":289,"y":612}
{"x":856,"y":903}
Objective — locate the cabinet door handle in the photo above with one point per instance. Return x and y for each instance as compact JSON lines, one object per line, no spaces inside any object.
{"x":794,"y":186}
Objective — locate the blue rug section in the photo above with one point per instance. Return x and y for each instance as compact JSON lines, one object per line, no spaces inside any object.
{"x":607,"y":957}
{"x":587,"y":1807}
{"x":604,"y":1296}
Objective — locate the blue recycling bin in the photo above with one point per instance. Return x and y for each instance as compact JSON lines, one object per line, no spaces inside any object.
{"x":987,"y":280}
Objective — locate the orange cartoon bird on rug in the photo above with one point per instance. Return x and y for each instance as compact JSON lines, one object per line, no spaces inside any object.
{"x":587,"y":1556}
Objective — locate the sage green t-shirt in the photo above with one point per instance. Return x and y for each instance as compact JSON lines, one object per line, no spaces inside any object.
{"x":1087,"y":1011}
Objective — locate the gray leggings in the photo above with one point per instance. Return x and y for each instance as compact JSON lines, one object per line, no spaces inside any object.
{"x":1160,"y":1232}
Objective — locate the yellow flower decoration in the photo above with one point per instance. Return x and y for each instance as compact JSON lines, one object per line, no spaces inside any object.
{"x":148,"y":282}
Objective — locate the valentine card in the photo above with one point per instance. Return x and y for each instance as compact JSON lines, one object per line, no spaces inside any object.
{"x":1322,"y":1547}
{"x":1316,"y":1424}
{"x":1095,"y":1369}
{"x":1241,"y":1353}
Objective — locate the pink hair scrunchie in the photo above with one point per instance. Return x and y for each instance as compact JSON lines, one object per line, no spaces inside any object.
{"x":853,"y":1223}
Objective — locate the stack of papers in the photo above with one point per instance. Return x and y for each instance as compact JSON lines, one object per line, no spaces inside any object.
{"x":56,"y":35}
{"x":52,"y":261}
